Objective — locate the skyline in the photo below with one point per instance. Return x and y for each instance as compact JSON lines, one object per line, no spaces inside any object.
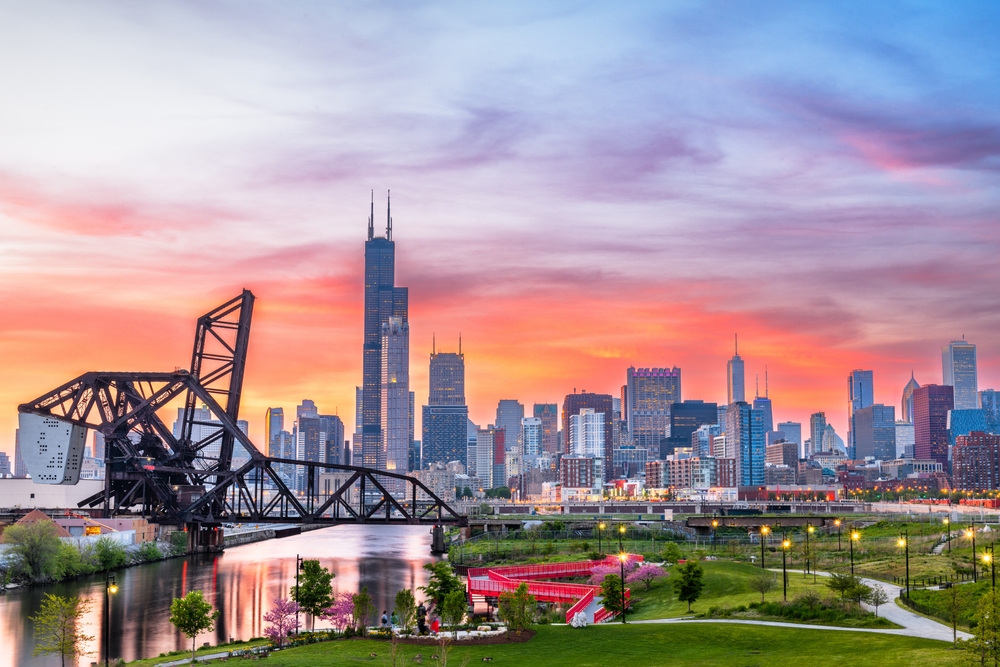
{"x":578,"y":190}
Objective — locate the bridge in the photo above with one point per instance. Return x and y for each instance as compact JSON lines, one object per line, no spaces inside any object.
{"x":191,"y":479}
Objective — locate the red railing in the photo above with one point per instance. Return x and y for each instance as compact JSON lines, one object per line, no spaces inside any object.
{"x":583,"y":603}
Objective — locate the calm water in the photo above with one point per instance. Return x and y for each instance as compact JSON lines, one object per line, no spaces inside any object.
{"x":240,"y":583}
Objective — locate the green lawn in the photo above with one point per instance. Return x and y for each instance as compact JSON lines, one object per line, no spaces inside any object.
{"x":696,"y":645}
{"x":727,"y":584}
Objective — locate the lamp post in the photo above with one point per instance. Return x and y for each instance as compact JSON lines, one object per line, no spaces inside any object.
{"x":947,"y":525}
{"x":715,"y":525}
{"x":110,"y":588}
{"x":600,"y":530}
{"x":808,"y":554}
{"x":785,"y":543}
{"x":622,"y":557}
{"x":855,"y":536}
{"x":988,"y":562}
{"x":298,"y":566}
{"x":904,"y":541}
{"x":621,"y":534}
{"x":764,"y":530}
{"x":836,"y":522}
{"x":971,"y":533}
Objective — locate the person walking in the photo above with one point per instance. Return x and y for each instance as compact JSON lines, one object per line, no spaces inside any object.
{"x":435,"y":625}
{"x":385,"y":619}
{"x":394,"y":620}
{"x":422,"y":619}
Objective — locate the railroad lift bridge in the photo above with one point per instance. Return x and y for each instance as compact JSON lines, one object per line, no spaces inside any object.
{"x":190,"y":479}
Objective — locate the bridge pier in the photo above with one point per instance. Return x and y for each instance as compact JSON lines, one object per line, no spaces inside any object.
{"x":204,"y":538}
{"x":437,"y":541}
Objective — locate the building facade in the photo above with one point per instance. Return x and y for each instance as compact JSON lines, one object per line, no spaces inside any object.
{"x":395,"y":412}
{"x":817,"y":429}
{"x":735,"y":378}
{"x":651,"y":394}
{"x":548,"y":413}
{"x":860,"y":394}
{"x":745,"y":438}
{"x":931,"y":404}
{"x":602,"y":403}
{"x":958,"y":370}
{"x":875,"y":432}
{"x":976,"y":462}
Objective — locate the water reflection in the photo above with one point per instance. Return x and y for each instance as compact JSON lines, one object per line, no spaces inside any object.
{"x":241,"y":583}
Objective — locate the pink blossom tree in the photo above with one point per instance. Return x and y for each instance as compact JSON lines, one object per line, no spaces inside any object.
{"x":598,"y":572}
{"x":647,"y":573}
{"x":341,"y":612}
{"x":281,"y":620}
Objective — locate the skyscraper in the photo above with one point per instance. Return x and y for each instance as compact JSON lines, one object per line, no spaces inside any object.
{"x":395,"y":410}
{"x":274,"y":423}
{"x":382,"y":301}
{"x":745,"y":438}
{"x":532,"y":436}
{"x":548,"y":413}
{"x":793,"y":432}
{"x":651,"y":394}
{"x":447,"y":377}
{"x":445,"y":424}
{"x":875,"y":432}
{"x":907,"y":406}
{"x":735,"y":385}
{"x":990,"y":400}
{"x":931,"y":404}
{"x":572,"y":405}
{"x":685,"y":419}
{"x":859,"y":395}
{"x":817,"y":427}
{"x":509,"y":416}
{"x":958,"y":370}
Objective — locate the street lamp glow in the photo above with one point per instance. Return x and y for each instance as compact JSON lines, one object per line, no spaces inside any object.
{"x":855,"y":535}
{"x":902,"y":542}
{"x":113,"y":588}
{"x":786,"y":543}
{"x":946,"y":521}
{"x":764,"y":530}
{"x":986,"y":558}
{"x":812,"y":529}
{"x":715,"y":523}
{"x":623,"y":557}
{"x":621,"y":529}
{"x":601,"y":525}
{"x":836,"y":522}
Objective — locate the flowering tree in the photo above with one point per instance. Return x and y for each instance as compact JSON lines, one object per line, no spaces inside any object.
{"x":282,"y":620}
{"x":598,"y":572}
{"x":341,"y":612}
{"x":647,"y":573}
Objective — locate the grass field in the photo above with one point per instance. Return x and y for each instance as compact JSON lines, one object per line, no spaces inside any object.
{"x":696,"y":645}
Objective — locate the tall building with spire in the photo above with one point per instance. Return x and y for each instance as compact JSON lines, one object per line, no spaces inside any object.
{"x":763,"y":403}
{"x":445,"y":422}
{"x":907,"y":406}
{"x":735,"y":385}
{"x":383,"y":300}
{"x":958,"y":370}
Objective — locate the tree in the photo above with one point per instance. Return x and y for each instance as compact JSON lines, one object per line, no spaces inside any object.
{"x":647,"y":573}
{"x":35,"y":547}
{"x":954,"y":608}
{"x":406,"y":609}
{"x":110,"y":555}
{"x":611,"y":590}
{"x":498,"y":492}
{"x":341,"y":612}
{"x":985,"y":643}
{"x":517,"y":608}
{"x":858,"y":592}
{"x":453,"y":610}
{"x":671,"y":553}
{"x":314,"y":592}
{"x":841,"y":583}
{"x":690,"y":584}
{"x":876,"y":596}
{"x":281,"y":620}
{"x":57,"y":627}
{"x":192,"y":615}
{"x":763,"y":582}
{"x":364,"y":607}
{"x":442,"y":582}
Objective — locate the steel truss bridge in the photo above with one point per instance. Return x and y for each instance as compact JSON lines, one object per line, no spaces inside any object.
{"x":190,"y":478}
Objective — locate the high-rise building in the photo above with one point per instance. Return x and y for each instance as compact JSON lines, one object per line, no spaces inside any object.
{"x":958,"y":369}
{"x":532,"y":436}
{"x":831,"y":441}
{"x":963,"y":422}
{"x":792,"y":431}
{"x":601,"y":403}
{"x":904,"y":440}
{"x":875,"y":434}
{"x":306,"y":409}
{"x":931,"y":404}
{"x":651,"y":394}
{"x":782,"y":453}
{"x":817,"y":427}
{"x":274,"y":423}
{"x":976,"y":462}
{"x":685,"y":419}
{"x":989,"y":399}
{"x":859,"y":395}
{"x":383,"y":300}
{"x":395,"y":412}
{"x":735,"y":384}
{"x":586,"y":433}
{"x":446,"y":429}
{"x":491,"y":457}
{"x":907,"y":404}
{"x":509,"y":416}
{"x":472,"y":438}
{"x":5,"y":465}
{"x":548,"y":413}
{"x":763,"y":404}
{"x":333,"y":438}
{"x":745,"y":438}
{"x":20,"y":469}
{"x":447,"y":378}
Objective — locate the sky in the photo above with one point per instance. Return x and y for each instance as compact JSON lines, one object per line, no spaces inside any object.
{"x":577,"y":188}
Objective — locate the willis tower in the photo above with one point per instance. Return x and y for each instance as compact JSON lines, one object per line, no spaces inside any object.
{"x":383,"y":300}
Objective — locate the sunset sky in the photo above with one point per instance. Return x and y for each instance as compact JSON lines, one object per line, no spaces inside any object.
{"x":577,"y":188}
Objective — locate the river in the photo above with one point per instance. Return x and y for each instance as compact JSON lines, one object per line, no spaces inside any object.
{"x":241,"y":583}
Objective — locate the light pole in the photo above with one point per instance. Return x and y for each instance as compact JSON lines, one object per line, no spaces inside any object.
{"x":298,"y":566}
{"x":836,"y":522}
{"x":622,"y":557}
{"x":785,"y":543}
{"x":600,"y":530}
{"x":621,"y":534}
{"x":808,"y":554}
{"x":855,"y":536}
{"x":971,"y":533}
{"x":947,"y":525}
{"x":988,"y":561}
{"x":764,"y":530}
{"x":715,"y":525}
{"x":110,"y":588}
{"x":904,"y":541}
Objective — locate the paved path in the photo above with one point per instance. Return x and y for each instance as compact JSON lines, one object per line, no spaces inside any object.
{"x":201,"y":658}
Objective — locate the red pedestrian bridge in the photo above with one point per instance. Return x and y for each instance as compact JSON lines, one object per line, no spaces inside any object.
{"x":492,"y":581}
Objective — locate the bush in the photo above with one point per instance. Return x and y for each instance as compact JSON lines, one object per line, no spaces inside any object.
{"x":148,"y":551}
{"x":35,"y":547}
{"x":110,"y":555}
{"x":179,"y":541}
{"x":72,"y":561}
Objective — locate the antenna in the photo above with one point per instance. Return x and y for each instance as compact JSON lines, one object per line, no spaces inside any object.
{"x":371,"y":219}
{"x":765,"y":380}
{"x":388,"y":217}
{"x":736,"y":339}
{"x":460,"y":343}
{"x":433,"y":344}
{"x":756,"y":381}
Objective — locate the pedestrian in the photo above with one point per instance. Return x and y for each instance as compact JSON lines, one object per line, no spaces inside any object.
{"x":385,"y":619}
{"x":394,"y":620}
{"x":435,"y":625}
{"x":422,"y":619}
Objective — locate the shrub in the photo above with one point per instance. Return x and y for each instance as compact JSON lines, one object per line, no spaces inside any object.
{"x":110,"y":555}
{"x":35,"y":547}
{"x":148,"y":551}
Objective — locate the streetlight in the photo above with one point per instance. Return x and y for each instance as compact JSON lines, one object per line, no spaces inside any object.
{"x":947,"y":523}
{"x":110,"y":588}
{"x":809,"y":530}
{"x":785,"y":543}
{"x":836,"y":522}
{"x":988,"y":561}
{"x":971,"y":533}
{"x":621,"y":534}
{"x":764,"y":530}
{"x":904,"y":541}
{"x":715,"y":524}
{"x":298,"y":566}
{"x":600,"y":529}
{"x":855,"y":536}
{"x":622,"y":557}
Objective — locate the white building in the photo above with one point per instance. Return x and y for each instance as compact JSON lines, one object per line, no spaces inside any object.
{"x":586,"y":433}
